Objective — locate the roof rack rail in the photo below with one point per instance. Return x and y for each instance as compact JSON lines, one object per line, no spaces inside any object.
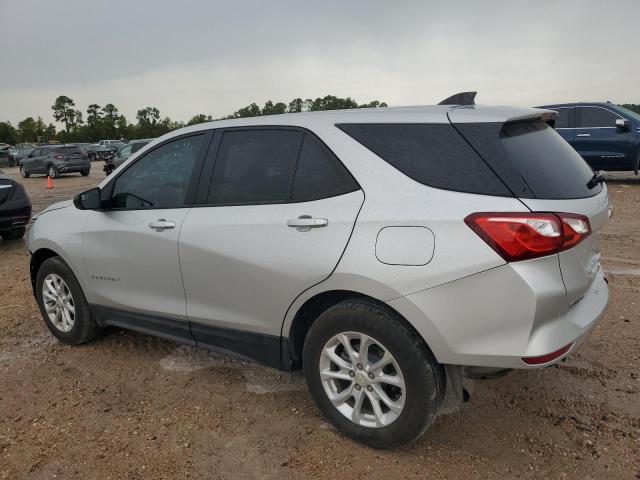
{"x":462,"y":98}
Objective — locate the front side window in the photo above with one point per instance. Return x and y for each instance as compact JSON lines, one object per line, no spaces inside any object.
{"x":161,"y":178}
{"x":254,"y":166}
{"x":319,"y":173}
{"x":591,"y":117}
{"x":125,"y":151}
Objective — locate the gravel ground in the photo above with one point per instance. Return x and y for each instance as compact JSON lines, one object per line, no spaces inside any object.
{"x":133,"y":406}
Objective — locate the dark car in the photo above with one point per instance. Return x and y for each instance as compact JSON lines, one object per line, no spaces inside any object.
{"x":54,"y":160}
{"x":20,"y":151}
{"x":6,"y":156}
{"x":132,"y":147}
{"x":606,"y":135}
{"x":15,"y":208}
{"x":98,"y":152}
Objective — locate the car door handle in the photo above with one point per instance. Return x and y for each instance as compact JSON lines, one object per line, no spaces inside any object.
{"x":304,"y":223}
{"x":583,"y":135}
{"x":162,"y":224}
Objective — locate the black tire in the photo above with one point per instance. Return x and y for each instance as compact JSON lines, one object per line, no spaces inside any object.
{"x":424,"y":377}
{"x":13,"y":234}
{"x":84,"y":173}
{"x":52,"y":171}
{"x":23,"y":172}
{"x":85,"y":327}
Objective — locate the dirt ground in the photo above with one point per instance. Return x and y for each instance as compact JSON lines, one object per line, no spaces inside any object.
{"x":132,"y":406}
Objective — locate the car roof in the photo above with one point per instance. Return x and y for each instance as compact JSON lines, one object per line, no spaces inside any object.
{"x":411,"y":114}
{"x":580,"y":104}
{"x":141,"y":140}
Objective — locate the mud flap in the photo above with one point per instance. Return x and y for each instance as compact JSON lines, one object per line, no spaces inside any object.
{"x":456,"y":395}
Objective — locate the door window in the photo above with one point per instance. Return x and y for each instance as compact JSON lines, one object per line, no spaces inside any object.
{"x":319,"y":173}
{"x":161,"y":178}
{"x":254,"y":166}
{"x":125,"y":151}
{"x":590,"y":117}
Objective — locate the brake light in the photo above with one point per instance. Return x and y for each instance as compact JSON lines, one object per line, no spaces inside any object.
{"x":521,"y":236}
{"x":58,"y":157}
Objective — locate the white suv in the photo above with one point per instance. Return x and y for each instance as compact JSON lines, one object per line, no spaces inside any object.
{"x":388,"y":252}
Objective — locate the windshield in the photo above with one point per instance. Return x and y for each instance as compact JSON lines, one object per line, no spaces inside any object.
{"x":630,"y":113}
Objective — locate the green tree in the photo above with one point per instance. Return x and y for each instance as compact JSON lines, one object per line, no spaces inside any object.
{"x":64,"y":112}
{"x":147,"y":120}
{"x":31,"y":130}
{"x":8,"y":133}
{"x":274,"y":109}
{"x":200,"y":118}
{"x":110,"y":120}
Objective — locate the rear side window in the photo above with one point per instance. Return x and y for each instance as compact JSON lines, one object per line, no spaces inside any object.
{"x":591,"y":117}
{"x":254,"y":166}
{"x":319,"y":173}
{"x":432,"y":154}
{"x":564,"y":117}
{"x":532,"y":159}
{"x":137,"y":146}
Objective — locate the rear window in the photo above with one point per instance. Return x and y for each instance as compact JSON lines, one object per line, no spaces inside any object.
{"x":432,"y":154}
{"x":532,"y":159}
{"x":69,"y":150}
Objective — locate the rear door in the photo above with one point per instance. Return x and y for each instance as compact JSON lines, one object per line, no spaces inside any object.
{"x":266,"y":230}
{"x":600,"y":142}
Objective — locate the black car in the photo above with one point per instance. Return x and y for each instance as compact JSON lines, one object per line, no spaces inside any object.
{"x":15,"y":208}
{"x":54,"y":160}
{"x":98,"y":152}
{"x":6,"y":156}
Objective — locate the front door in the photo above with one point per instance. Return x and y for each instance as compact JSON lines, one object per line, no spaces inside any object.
{"x":603,"y":145}
{"x":130,"y":249}
{"x":262,"y":238}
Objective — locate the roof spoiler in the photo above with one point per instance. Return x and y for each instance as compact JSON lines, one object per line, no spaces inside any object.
{"x":462,"y":98}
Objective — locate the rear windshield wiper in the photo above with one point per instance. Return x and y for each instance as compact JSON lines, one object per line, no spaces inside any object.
{"x":598,"y":177}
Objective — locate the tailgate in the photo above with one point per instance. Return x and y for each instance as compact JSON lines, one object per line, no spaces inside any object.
{"x":579,"y":264}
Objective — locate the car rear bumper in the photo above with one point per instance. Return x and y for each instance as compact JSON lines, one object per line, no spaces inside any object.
{"x":500,"y":316}
{"x":15,"y":217}
{"x":74,"y":168}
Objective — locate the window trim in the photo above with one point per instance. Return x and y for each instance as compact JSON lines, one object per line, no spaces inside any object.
{"x":572,"y":117}
{"x":193,"y":181}
{"x":578,"y":116}
{"x":206,"y":180}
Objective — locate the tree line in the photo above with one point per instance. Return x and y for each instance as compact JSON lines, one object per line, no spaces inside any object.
{"x":106,"y":122}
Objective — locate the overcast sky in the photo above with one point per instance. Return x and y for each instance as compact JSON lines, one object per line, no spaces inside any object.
{"x":187,"y":57}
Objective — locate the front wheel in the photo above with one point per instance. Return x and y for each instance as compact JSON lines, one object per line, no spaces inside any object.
{"x":371,"y":375}
{"x":84,"y":173}
{"x":23,"y":172}
{"x":62,"y":303}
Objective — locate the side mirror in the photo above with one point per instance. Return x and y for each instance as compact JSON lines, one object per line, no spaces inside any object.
{"x":89,"y":200}
{"x":622,"y":123}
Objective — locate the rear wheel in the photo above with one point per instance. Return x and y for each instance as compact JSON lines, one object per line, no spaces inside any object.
{"x":63,"y":305}
{"x":371,"y":375}
{"x":23,"y":172}
{"x":53,"y":171}
{"x":84,"y":173}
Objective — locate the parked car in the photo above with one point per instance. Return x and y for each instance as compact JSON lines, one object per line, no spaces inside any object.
{"x":123,"y":154}
{"x":15,"y":208}
{"x":387,"y":252}
{"x":606,"y":135}
{"x":20,"y":151}
{"x":6,"y":155}
{"x":98,"y":152}
{"x":113,"y":145}
{"x":54,"y":160}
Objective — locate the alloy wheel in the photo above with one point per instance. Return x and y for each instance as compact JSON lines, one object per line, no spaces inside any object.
{"x":58,"y":302}
{"x":362,"y":379}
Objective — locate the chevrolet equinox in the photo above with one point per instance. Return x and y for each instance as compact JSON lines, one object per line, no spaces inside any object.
{"x":389,"y":253}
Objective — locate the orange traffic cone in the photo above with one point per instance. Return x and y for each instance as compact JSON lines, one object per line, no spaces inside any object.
{"x":49,"y":182}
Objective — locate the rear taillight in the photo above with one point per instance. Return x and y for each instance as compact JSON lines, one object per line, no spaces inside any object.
{"x":520,"y":236}
{"x":549,"y":357}
{"x":58,"y":157}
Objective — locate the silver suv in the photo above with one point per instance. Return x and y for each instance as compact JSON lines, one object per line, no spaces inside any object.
{"x":389,"y":253}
